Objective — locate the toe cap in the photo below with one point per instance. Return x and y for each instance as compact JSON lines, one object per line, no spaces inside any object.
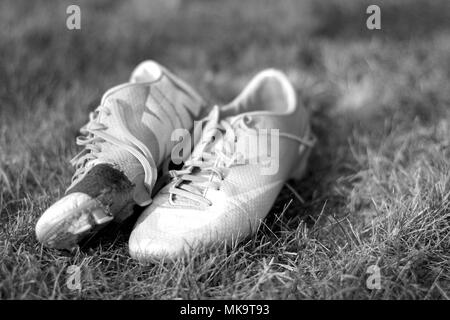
{"x":62,"y":223}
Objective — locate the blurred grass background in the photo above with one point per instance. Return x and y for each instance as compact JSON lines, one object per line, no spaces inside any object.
{"x":378,"y":186}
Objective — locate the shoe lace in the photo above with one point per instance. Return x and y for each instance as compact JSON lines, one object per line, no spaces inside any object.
{"x":94,"y":135}
{"x":197,"y":176}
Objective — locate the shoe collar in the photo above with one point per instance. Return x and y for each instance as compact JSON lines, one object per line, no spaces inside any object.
{"x":259,"y":85}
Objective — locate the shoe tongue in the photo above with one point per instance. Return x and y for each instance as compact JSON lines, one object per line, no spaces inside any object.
{"x":211,"y":120}
{"x":206,"y":129}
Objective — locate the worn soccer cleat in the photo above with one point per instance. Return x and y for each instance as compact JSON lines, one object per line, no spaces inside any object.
{"x":230,"y":182}
{"x":126,"y":141}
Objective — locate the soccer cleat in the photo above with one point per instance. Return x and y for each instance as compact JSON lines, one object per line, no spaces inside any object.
{"x":126,"y":141}
{"x":230,"y":181}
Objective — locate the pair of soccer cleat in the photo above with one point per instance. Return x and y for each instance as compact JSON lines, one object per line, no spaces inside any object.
{"x":243,"y":152}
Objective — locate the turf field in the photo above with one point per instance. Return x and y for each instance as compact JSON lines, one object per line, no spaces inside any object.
{"x":377,"y":192}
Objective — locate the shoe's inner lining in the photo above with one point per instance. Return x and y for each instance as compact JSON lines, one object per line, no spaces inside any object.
{"x":268,"y":95}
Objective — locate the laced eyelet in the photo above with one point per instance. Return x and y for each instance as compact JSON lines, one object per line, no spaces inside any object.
{"x":301,"y":148}
{"x":247,"y":119}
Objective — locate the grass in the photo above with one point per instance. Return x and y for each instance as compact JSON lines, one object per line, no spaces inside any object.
{"x":378,"y":187}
